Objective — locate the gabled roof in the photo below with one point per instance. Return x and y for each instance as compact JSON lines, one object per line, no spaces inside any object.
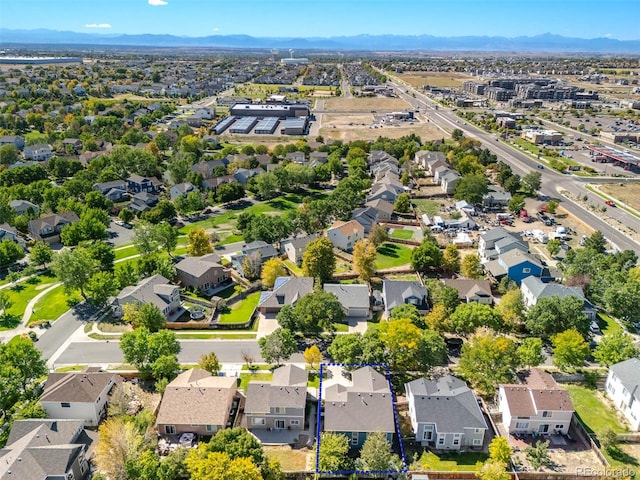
{"x":77,"y":387}
{"x":381,"y":205}
{"x":198,"y":266}
{"x":448,"y":402}
{"x":349,"y":296}
{"x":364,"y":406}
{"x":540,"y":392}
{"x":539,"y":289}
{"x":299,"y":242}
{"x":287,"y":389}
{"x":286,"y":291}
{"x":196,"y":397}
{"x":468,"y":288}
{"x":266,"y":249}
{"x":347,"y":228}
{"x":42,"y":449}
{"x":498,"y":233}
{"x":395,"y":292}
{"x":516,"y":257}
{"x":149,"y":290}
{"x":628,"y":372}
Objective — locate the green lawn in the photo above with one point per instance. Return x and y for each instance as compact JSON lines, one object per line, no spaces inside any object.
{"x":341,"y":327}
{"x":293,"y":267}
{"x":403,"y":233}
{"x":594,"y":413}
{"x":392,"y":255}
{"x":126,"y":252}
{"x":607,"y":324}
{"x":290,"y":460}
{"x":241,"y":312}
{"x":245,"y":378}
{"x":430,"y":207}
{"x":231,"y":239}
{"x":20,"y":295}
{"x":452,"y":462}
{"x":53,"y":304}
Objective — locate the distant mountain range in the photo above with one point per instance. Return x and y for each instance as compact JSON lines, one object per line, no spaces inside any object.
{"x":539,"y":43}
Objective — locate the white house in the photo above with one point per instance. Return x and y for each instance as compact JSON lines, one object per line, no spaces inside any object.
{"x":537,"y":406}
{"x":533,"y":289}
{"x":344,"y":235}
{"x":622,"y":385}
{"x":79,"y":395}
{"x":40,"y":153}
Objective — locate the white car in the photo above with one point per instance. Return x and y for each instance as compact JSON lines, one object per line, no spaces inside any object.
{"x":120,"y":223}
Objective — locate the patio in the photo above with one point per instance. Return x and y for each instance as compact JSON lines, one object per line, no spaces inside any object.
{"x":296,"y":438}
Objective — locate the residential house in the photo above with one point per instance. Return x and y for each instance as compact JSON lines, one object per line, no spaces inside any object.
{"x":445,"y":414}
{"x":197,"y":402}
{"x":441,"y":171}
{"x":7,"y":232}
{"x":318,"y":158}
{"x":15,"y":140}
{"x":516,"y":265}
{"x":46,"y":449}
{"x":384,"y":192}
{"x":465,"y":207}
{"x":215,"y":182}
{"x":487,"y":242}
{"x":143,"y":201}
{"x":364,"y":407}
{"x":137,"y":183}
{"x":296,"y":157}
{"x":471,"y":291}
{"x":47,"y":229}
{"x":384,"y":209}
{"x":278,"y":404}
{"x":72,"y":144}
{"x":623,"y":388}
{"x":449,"y":181}
{"x":243,"y":175}
{"x":424,"y":158}
{"x":367,"y":217}
{"x":259,"y":249}
{"x":156,"y":290}
{"x":496,"y":198}
{"x":180,"y":189}
{"x":202,"y":273}
{"x":79,"y":395}
{"x":38,"y":153}
{"x":537,"y":406}
{"x":286,"y":291}
{"x":353,"y":298}
{"x":116,"y":190}
{"x":207,"y":168}
{"x":24,"y":207}
{"x":344,"y":235}
{"x":533,"y":289}
{"x":399,"y":292}
{"x":294,"y":248}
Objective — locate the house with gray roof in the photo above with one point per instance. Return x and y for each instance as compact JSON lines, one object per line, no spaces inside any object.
{"x":156,"y":290}
{"x":516,"y":265}
{"x":487,"y":242}
{"x":46,"y":449}
{"x":295,"y":247}
{"x":7,"y":232}
{"x":39,"y":153}
{"x":22,"y":207}
{"x":471,"y":291}
{"x":79,"y":395}
{"x":180,"y":189}
{"x":496,"y":197}
{"x":243,"y":175}
{"x":278,"y":404}
{"x":286,"y":291}
{"x":399,"y":292}
{"x":47,"y":229}
{"x":116,"y":190}
{"x":15,"y":140}
{"x":445,"y":414}
{"x":449,"y":181}
{"x":363,"y":407}
{"x":424,"y":158}
{"x":366,"y":216}
{"x":353,"y":298}
{"x":197,"y":402}
{"x":533,"y":289}
{"x":382,"y":207}
{"x":623,"y":388}
{"x":202,"y":273}
{"x":258,"y":249}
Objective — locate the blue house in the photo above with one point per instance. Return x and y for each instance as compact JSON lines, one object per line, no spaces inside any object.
{"x":516,"y":265}
{"x":364,"y":407}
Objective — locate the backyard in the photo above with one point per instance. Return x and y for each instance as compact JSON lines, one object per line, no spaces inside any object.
{"x":240,"y":312}
{"x":392,"y":255}
{"x":290,"y":460}
{"x":430,"y":207}
{"x":452,"y":462}
{"x":595,"y":414}
{"x":402,"y":233}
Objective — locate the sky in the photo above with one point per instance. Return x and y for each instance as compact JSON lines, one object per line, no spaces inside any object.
{"x":618,"y":19}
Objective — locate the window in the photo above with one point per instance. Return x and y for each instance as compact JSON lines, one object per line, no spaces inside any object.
{"x":295,"y":422}
{"x":546,"y":414}
{"x":560,"y":426}
{"x":427,"y":433}
{"x":456,"y":439}
{"x":522,"y":425}
{"x":354,"y":438}
{"x":169,"y":429}
{"x":65,"y":405}
{"x":279,"y":424}
{"x":279,"y":410}
{"x":526,"y":270}
{"x":211,"y":428}
{"x":477,"y":442}
{"x":478,"y":430}
{"x":441,"y":439}
{"x":257,"y":421}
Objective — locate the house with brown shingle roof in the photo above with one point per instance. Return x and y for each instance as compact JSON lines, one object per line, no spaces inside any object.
{"x":344,"y":235}
{"x":197,"y":402}
{"x":537,"y":406}
{"x":47,"y":229}
{"x":156,"y":290}
{"x":202,"y":273}
{"x":78,"y":395}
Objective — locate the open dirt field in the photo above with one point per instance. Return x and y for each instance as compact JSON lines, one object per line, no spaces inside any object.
{"x":628,"y":193}
{"x":358,"y":131}
{"x":611,"y":89}
{"x":437,"y":79}
{"x":365,"y":104}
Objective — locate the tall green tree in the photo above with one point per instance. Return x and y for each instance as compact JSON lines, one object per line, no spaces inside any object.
{"x":364,"y":259}
{"x":472,"y":188}
{"x":376,"y":454}
{"x":74,"y":268}
{"x":553,"y":315}
{"x":426,"y":256}
{"x":451,"y":258}
{"x":570,"y":350}
{"x":615,"y":348}
{"x":318,"y":260}
{"x":334,"y":448}
{"x":469,"y":316}
{"x":142,"y":348}
{"x":40,"y":254}
{"x":277,"y":346}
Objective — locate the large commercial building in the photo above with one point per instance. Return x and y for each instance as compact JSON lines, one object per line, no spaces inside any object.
{"x":222,"y":125}
{"x":267,"y":125}
{"x":295,"y":126}
{"x":244,"y":125}
{"x":542,"y":136}
{"x":264,"y":110}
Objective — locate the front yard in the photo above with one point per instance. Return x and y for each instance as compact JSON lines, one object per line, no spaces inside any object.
{"x":392,"y":255}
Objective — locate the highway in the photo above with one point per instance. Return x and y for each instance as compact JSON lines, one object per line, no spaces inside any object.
{"x":553,"y":183}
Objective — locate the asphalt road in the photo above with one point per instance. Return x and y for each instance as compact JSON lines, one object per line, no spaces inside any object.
{"x":552,"y":182}
{"x":228,"y":351}
{"x":53,"y":338}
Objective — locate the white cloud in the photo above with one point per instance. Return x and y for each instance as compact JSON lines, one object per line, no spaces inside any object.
{"x":215,"y":29}
{"x":157,"y":3}
{"x":97,"y":25}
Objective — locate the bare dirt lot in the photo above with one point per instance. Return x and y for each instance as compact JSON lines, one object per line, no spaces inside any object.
{"x":437,"y":79}
{"x":625,"y":193}
{"x":365,"y":104}
{"x":349,"y":127}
